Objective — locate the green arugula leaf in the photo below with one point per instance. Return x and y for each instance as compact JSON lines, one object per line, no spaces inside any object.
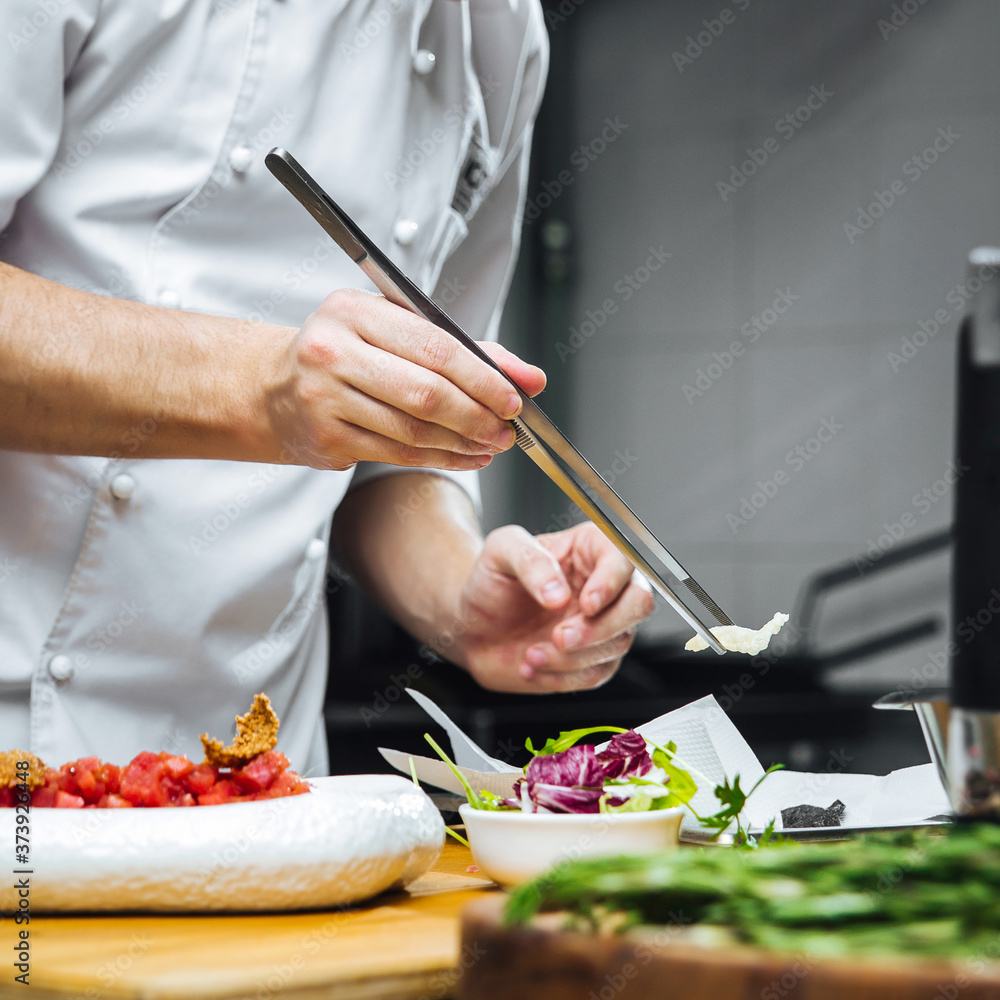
{"x":681,"y":785}
{"x":568,"y":739}
{"x":640,"y":802}
{"x":485,"y":800}
{"x":474,"y":800}
{"x":452,"y":833}
{"x":495,"y":801}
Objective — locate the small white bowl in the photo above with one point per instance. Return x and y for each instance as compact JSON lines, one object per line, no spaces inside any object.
{"x":511,"y":847}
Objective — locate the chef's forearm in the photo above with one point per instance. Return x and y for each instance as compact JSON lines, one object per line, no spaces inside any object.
{"x":80,"y":372}
{"x":412,"y":556}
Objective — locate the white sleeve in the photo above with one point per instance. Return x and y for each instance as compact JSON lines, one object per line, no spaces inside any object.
{"x":41,"y":40}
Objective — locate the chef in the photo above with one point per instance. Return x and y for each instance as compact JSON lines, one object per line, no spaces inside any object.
{"x":191,"y":383}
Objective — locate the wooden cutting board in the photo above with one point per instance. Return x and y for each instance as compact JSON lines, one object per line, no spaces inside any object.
{"x":402,"y":946}
{"x":545,"y":961}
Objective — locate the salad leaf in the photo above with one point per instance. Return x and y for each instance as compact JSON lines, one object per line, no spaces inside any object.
{"x":638,"y":801}
{"x":565,"y":740}
{"x":577,"y":767}
{"x":625,"y":754}
{"x":474,"y":800}
{"x":457,"y":836}
{"x":682,"y":786}
{"x":492,"y":801}
{"x":569,"y":781}
{"x":733,"y":799}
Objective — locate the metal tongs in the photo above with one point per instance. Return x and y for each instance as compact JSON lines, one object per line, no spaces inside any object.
{"x":539,"y":438}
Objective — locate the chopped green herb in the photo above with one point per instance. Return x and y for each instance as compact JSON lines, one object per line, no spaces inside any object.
{"x":918,"y":892}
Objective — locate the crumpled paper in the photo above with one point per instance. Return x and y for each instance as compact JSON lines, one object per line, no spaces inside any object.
{"x":712,"y":749}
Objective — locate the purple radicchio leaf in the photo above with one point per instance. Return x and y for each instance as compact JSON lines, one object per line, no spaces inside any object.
{"x":559,"y":799}
{"x":571,"y":781}
{"x":515,"y":802}
{"x":625,"y":756}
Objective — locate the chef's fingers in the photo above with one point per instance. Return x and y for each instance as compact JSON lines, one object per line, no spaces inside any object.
{"x":632,"y":605}
{"x":530,"y":378}
{"x":579,"y":680}
{"x":404,"y":334}
{"x":607,"y":571}
{"x":357,"y":408}
{"x":548,"y":658}
{"x":515,"y":552}
{"x":365,"y":445}
{"x":425,"y":396}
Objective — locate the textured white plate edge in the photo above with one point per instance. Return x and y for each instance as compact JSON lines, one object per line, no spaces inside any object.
{"x":351,"y":837}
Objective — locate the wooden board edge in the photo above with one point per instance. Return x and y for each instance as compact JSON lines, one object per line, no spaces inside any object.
{"x":513,"y":963}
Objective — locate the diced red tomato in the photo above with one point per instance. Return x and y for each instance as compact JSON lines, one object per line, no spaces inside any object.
{"x":158,"y":780}
{"x":70,"y":774}
{"x":66,"y":801}
{"x":287,"y":783}
{"x":176,"y":767}
{"x":201,"y":779}
{"x":141,"y":781}
{"x":89,"y":785}
{"x":111,"y":776}
{"x":44,"y":796}
{"x":113,"y":801}
{"x":88,"y":777}
{"x":246,"y":783}
{"x":222,"y":791}
{"x":260,"y":773}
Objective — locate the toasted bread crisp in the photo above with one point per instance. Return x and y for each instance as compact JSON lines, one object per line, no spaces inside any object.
{"x":256,"y":732}
{"x":10,"y":777}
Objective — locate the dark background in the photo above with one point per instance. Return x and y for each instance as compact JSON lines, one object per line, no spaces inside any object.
{"x":855,"y":543}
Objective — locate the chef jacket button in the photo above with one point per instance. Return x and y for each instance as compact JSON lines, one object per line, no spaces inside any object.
{"x":423,"y":61}
{"x":316,"y":548}
{"x":169,"y":298}
{"x":241,"y":159}
{"x":122,"y":486}
{"x":404,"y":231}
{"x":61,"y":668}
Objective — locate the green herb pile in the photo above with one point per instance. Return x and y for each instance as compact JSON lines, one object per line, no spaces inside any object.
{"x":915,"y":892}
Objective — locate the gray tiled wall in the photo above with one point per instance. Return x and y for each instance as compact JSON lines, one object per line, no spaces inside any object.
{"x":880,"y":97}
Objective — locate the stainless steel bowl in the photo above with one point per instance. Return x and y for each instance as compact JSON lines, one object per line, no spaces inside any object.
{"x":933,"y":713}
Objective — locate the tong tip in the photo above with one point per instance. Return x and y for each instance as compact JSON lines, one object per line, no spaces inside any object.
{"x":720,"y":616}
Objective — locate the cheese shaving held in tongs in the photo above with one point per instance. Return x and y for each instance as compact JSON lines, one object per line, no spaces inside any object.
{"x":737,"y":639}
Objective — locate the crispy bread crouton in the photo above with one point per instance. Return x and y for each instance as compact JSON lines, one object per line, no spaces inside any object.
{"x":256,"y":732}
{"x":10,"y":777}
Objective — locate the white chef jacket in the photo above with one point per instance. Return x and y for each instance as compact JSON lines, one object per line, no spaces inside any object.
{"x":144,"y":602}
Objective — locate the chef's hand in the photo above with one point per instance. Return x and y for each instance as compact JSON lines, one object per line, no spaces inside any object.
{"x":366,"y":380}
{"x":549,"y":613}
